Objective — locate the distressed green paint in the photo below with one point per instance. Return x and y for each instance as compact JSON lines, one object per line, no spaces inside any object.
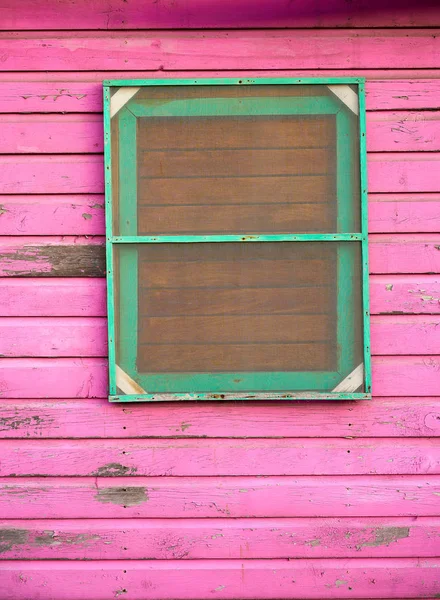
{"x":222,"y":107}
{"x":347,"y":195}
{"x":206,"y":386}
{"x":364,"y":229}
{"x":227,"y":396}
{"x":282,"y":237}
{"x":109,"y":246}
{"x":236,"y":81}
{"x":127,"y":172}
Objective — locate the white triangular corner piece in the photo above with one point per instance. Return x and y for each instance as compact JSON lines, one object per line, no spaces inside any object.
{"x":120,"y":98}
{"x":126,"y":384}
{"x":352,"y":382}
{"x":347,"y":96}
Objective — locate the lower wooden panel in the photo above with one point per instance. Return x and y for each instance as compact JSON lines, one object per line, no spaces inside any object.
{"x":219,"y":457}
{"x":227,"y":579}
{"x":210,"y":538}
{"x":96,"y":418}
{"x":87,"y":377}
{"x":219,"y":497}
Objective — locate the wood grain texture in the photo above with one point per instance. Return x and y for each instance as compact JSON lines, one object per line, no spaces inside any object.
{"x":405,"y":334}
{"x":398,"y":172}
{"x":66,"y":214}
{"x":52,"y":174}
{"x":403,"y":131}
{"x":52,"y":257}
{"x":35,"y":14}
{"x":189,"y":539}
{"x":58,"y":134}
{"x":228,"y":579}
{"x":405,"y":294}
{"x":53,"y":297}
{"x":404,"y":213}
{"x":404,"y":254}
{"x":328,"y":49}
{"x":217,"y":457}
{"x":69,"y":418}
{"x":219,"y":497}
{"x":53,"y":336}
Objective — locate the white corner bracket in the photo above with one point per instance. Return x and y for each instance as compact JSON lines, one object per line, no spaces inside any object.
{"x":347,"y":96}
{"x":352,"y":382}
{"x":120,"y":99}
{"x":126,"y":384}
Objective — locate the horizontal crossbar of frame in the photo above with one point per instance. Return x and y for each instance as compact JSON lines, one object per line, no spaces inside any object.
{"x":243,"y":396}
{"x":236,"y":81}
{"x":299,"y":237}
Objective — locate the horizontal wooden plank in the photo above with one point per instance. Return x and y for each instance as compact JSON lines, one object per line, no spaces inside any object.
{"x":258,"y":218}
{"x":52,"y":257}
{"x":400,"y":294}
{"x":40,"y":377}
{"x":60,"y":297}
{"x":403,"y":131}
{"x":65,"y":214}
{"x":70,"y":93}
{"x":225,"y":191}
{"x":82,"y":92}
{"x":36,"y":134}
{"x":405,"y":334}
{"x":258,"y":579}
{"x":76,"y":133}
{"x":399,"y":172}
{"x":329,"y":49}
{"x":273,"y":132}
{"x":52,"y":174}
{"x":219,"y":457}
{"x":54,"y":336}
{"x":53,"y":297}
{"x":96,"y":418}
{"x":165,"y":539}
{"x":281,"y":300}
{"x":247,"y":357}
{"x":188,"y":15}
{"x":87,"y":377}
{"x":84,"y":257}
{"x":404,"y":254}
{"x":404,"y":213}
{"x":261,"y":328}
{"x":83,"y":214}
{"x":234,"y":163}
{"x":219,"y":497}
{"x":58,"y":174}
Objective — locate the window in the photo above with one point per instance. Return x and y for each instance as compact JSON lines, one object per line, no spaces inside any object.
{"x":237,"y":239}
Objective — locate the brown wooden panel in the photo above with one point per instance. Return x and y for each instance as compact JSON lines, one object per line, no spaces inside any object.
{"x":234,"y":357}
{"x":284,"y":131}
{"x":179,"y":302}
{"x":223,"y":329}
{"x":234,"y":273}
{"x":246,"y":190}
{"x":251,"y":218}
{"x":234,"y":163}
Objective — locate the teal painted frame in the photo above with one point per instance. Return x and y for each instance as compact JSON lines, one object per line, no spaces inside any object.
{"x":128,"y":166}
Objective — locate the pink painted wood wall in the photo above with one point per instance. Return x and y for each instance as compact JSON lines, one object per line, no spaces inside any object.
{"x":196,"y":501}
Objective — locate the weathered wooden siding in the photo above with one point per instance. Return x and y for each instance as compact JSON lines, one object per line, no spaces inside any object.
{"x":194,"y":501}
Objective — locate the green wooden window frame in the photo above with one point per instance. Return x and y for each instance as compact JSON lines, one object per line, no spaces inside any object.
{"x":208,"y":386}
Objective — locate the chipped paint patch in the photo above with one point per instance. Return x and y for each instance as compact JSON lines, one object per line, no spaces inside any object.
{"x":86,"y":216}
{"x":384,"y":536}
{"x":12,"y":537}
{"x":123,"y":496}
{"x":114,"y":470}
{"x":389,"y":287}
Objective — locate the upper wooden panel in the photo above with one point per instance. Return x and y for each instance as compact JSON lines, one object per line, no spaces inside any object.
{"x":186,"y":14}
